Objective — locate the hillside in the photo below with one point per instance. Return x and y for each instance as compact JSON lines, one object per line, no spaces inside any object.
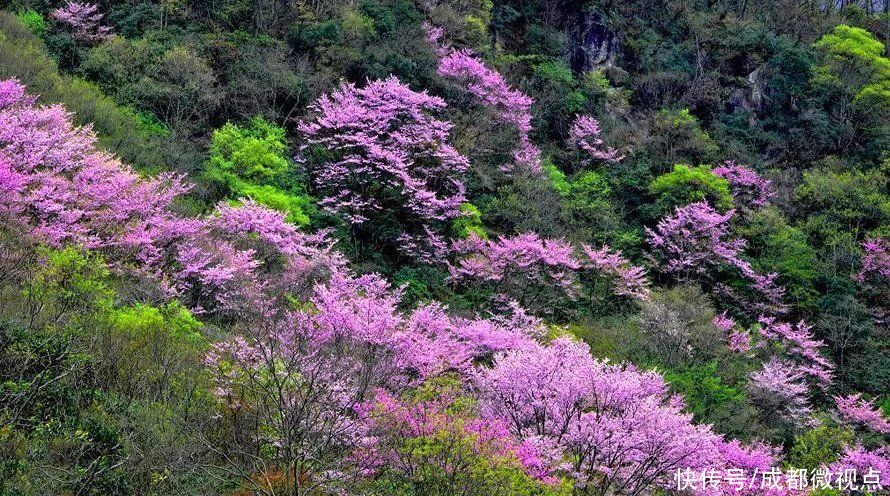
{"x":423,"y":248}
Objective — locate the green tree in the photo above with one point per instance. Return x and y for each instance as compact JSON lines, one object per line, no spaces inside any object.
{"x":251,"y":161}
{"x":685,"y":185}
{"x":855,"y":76}
{"x":677,"y":136}
{"x":711,"y":400}
{"x":818,"y":446}
{"x":34,"y":20}
{"x":469,"y":223}
{"x":838,"y":204}
{"x":447,"y":458}
{"x":780,"y":247}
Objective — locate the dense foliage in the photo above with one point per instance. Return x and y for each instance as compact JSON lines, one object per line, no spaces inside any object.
{"x":391,"y":247}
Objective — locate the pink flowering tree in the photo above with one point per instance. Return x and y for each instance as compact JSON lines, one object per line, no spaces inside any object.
{"x":433,"y":439}
{"x":241,"y":259}
{"x":607,"y":271}
{"x":798,"y":344}
{"x":378,"y":154}
{"x":545,"y":275}
{"x":291,"y":384}
{"x":748,"y":188}
{"x":694,"y":243}
{"x":61,"y":190}
{"x":862,"y":469}
{"x":875,"y":262}
{"x":584,"y":136}
{"x":83,"y":21}
{"x":795,"y":366}
{"x":321,"y":388}
{"x":874,"y":276}
{"x":281,"y":395}
{"x":737,"y":338}
{"x":750,"y":470}
{"x":856,"y":410}
{"x":65,"y":189}
{"x":619,"y":429}
{"x":492,"y":91}
{"x":539,"y":274}
{"x":779,"y":390}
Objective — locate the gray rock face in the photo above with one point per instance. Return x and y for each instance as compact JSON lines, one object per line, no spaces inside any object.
{"x":592,"y":42}
{"x":749,"y":97}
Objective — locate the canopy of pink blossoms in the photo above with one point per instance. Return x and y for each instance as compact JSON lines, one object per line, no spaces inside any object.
{"x":492,"y":90}
{"x":83,"y":20}
{"x":619,"y":428}
{"x":694,"y":242}
{"x":533,"y":271}
{"x":389,"y":155}
{"x":585,"y":136}
{"x":871,"y":467}
{"x":390,"y":421}
{"x":856,"y":410}
{"x":800,"y":345}
{"x":748,"y":188}
{"x":61,"y":190}
{"x":737,"y":338}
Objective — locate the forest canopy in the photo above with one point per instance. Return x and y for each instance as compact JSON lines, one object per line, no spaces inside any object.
{"x":424,"y":248}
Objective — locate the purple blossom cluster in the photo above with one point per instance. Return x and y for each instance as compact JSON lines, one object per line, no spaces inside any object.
{"x":584,"y":135}
{"x":859,"y":411}
{"x":386,"y":153}
{"x":83,"y":20}
{"x":619,"y":428}
{"x":800,"y":345}
{"x":738,"y":339}
{"x":59,"y":189}
{"x":695,"y":242}
{"x":875,"y":261}
{"x":861,"y":462}
{"x":874,"y":277}
{"x":391,"y":421}
{"x":538,"y":272}
{"x":783,"y":381}
{"x":748,"y":188}
{"x":492,"y":90}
